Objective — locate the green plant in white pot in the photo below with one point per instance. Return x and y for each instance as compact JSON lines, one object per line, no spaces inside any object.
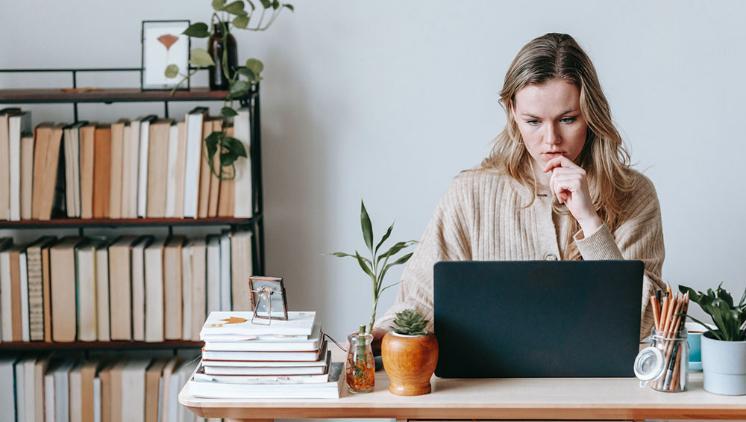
{"x":723,"y":348}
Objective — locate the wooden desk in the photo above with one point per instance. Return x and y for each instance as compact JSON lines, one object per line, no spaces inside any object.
{"x":597,"y":399}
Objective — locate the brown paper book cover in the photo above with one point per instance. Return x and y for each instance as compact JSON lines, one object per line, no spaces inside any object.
{"x":102,"y":172}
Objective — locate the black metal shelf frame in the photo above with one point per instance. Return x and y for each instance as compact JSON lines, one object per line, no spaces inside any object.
{"x":256,"y":224}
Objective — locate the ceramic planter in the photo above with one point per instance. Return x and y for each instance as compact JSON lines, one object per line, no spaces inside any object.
{"x":724,"y":366}
{"x":409,"y":362}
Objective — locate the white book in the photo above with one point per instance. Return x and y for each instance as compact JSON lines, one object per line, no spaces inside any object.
{"x":20,"y":389}
{"x":242,"y":183}
{"x":86,"y":292}
{"x":5,"y":297}
{"x":40,"y":369}
{"x":76,"y":400}
{"x":103,"y":329}
{"x":193,"y":157}
{"x":198,"y":250}
{"x":184,"y":373}
{"x":29,"y":394}
{"x":131,"y":170}
{"x":272,"y":344}
{"x":264,"y":371}
{"x":261,"y":379}
{"x":241,"y":269}
{"x":18,"y":125}
{"x":298,"y":323}
{"x":25,"y":330}
{"x":142,"y":176}
{"x":133,"y":391}
{"x":311,"y":356}
{"x":154,"y":291}
{"x":138,"y":288}
{"x":225,"y":272}
{"x":7,"y":392}
{"x":164,"y":402}
{"x":49,"y":404}
{"x":173,"y":149}
{"x":213,"y":274}
{"x":62,"y":392}
{"x":186,"y":291}
{"x":241,"y":367}
{"x":97,"y":399}
{"x":327,"y":390}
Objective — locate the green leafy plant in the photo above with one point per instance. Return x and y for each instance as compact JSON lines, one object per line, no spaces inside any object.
{"x":377,"y":265}
{"x":410,"y":322}
{"x":248,"y":15}
{"x":729,"y":318}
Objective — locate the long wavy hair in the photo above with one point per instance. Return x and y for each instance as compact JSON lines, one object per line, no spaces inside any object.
{"x":604,"y":158}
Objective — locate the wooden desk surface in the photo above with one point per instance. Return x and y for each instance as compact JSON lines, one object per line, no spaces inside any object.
{"x":543,"y":398}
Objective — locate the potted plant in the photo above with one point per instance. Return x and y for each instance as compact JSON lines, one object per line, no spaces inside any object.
{"x":375,"y":266}
{"x":723,"y":348}
{"x":410,"y":354}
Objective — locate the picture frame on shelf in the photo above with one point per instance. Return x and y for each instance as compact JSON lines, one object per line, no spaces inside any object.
{"x":164,"y":44}
{"x":268,"y":297}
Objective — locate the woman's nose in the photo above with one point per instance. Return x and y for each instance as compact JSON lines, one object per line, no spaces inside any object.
{"x":551,"y":135}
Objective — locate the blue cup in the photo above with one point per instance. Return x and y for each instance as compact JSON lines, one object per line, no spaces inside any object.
{"x":694,"y":338}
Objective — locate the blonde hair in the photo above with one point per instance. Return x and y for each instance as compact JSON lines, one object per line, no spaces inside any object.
{"x":606,"y":162}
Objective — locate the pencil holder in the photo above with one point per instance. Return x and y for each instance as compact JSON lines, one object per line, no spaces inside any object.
{"x":663,"y":365}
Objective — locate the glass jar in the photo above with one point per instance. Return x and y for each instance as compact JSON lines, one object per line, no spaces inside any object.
{"x":663,"y":365}
{"x":361,"y":368}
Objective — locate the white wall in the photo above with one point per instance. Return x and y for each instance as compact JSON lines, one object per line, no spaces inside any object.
{"x":388,"y":100}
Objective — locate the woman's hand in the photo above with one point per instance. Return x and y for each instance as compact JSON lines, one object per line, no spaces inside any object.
{"x":570,"y":185}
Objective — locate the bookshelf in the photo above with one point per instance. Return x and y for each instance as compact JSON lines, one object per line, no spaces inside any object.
{"x":75,"y":95}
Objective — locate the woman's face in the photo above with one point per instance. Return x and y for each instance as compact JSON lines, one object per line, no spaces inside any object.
{"x":548,"y":117}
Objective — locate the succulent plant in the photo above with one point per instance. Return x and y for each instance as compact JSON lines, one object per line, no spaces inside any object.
{"x":410,"y":322}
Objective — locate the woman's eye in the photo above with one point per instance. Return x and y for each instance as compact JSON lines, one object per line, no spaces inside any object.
{"x":568,"y":120}
{"x":532,"y":122}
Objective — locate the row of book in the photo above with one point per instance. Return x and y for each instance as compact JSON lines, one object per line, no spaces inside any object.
{"x":147,"y":167}
{"x":246,"y":357}
{"x":44,"y":388}
{"x":140,"y":288}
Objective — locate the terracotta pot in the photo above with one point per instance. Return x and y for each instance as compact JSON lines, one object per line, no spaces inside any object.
{"x":409,"y":362}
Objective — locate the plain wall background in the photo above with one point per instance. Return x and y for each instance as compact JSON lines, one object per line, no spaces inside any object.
{"x":388,"y":100}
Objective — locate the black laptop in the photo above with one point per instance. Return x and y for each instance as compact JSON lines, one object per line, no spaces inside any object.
{"x":516,"y":319}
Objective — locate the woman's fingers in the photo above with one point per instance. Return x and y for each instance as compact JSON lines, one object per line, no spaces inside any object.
{"x":559,"y":162}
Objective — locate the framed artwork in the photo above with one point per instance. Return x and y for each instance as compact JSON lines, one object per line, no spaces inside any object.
{"x":164,"y":44}
{"x":268,"y":297}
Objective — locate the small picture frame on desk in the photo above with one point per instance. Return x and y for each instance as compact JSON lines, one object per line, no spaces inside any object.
{"x":164,"y":44}
{"x":268,"y":297}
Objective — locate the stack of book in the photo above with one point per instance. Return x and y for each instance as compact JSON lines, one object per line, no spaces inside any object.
{"x":277,"y":359}
{"x":146,"y":167}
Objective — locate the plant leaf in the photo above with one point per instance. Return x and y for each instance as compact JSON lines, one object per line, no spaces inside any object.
{"x":395,"y":249}
{"x":247,"y":73}
{"x":399,"y":261}
{"x":255,"y":65}
{"x":385,"y":236}
{"x":211,"y":143}
{"x":217,"y":5}
{"x":275,"y":4}
{"x":172,"y":71}
{"x":241,"y":21}
{"x":239,"y":88}
{"x":390,"y":285}
{"x":342,"y":255}
{"x":289,"y":6}
{"x":197,"y":30}
{"x":235,"y":8}
{"x":200,"y":58}
{"x":363,"y":264}
{"x":367,"y":226}
{"x":266,"y":3}
{"x":228,"y":112}
{"x":235,"y":146}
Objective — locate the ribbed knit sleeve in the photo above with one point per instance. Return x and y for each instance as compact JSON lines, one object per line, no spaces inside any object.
{"x":640,"y":236}
{"x":445,"y":239}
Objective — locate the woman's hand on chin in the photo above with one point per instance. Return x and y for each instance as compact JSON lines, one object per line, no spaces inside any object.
{"x":568,"y":182}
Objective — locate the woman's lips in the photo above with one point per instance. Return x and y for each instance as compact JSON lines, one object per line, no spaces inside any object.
{"x":551,"y":155}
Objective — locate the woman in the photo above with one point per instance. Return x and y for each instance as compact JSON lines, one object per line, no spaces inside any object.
{"x":557,"y":184}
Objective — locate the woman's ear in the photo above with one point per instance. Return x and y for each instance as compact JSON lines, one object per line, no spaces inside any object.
{"x":511,"y":111}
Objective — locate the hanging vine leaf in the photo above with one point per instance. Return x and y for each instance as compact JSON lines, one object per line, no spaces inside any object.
{"x":228,"y":112}
{"x":289,"y":6}
{"x":197,"y":30}
{"x":235,"y":8}
{"x":201,"y":58}
{"x":266,"y":3}
{"x":235,"y":146}
{"x":246,"y":72}
{"x":218,"y":5}
{"x":241,"y":22}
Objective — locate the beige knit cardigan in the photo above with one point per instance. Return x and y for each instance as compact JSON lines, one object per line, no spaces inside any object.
{"x":483,"y":217}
